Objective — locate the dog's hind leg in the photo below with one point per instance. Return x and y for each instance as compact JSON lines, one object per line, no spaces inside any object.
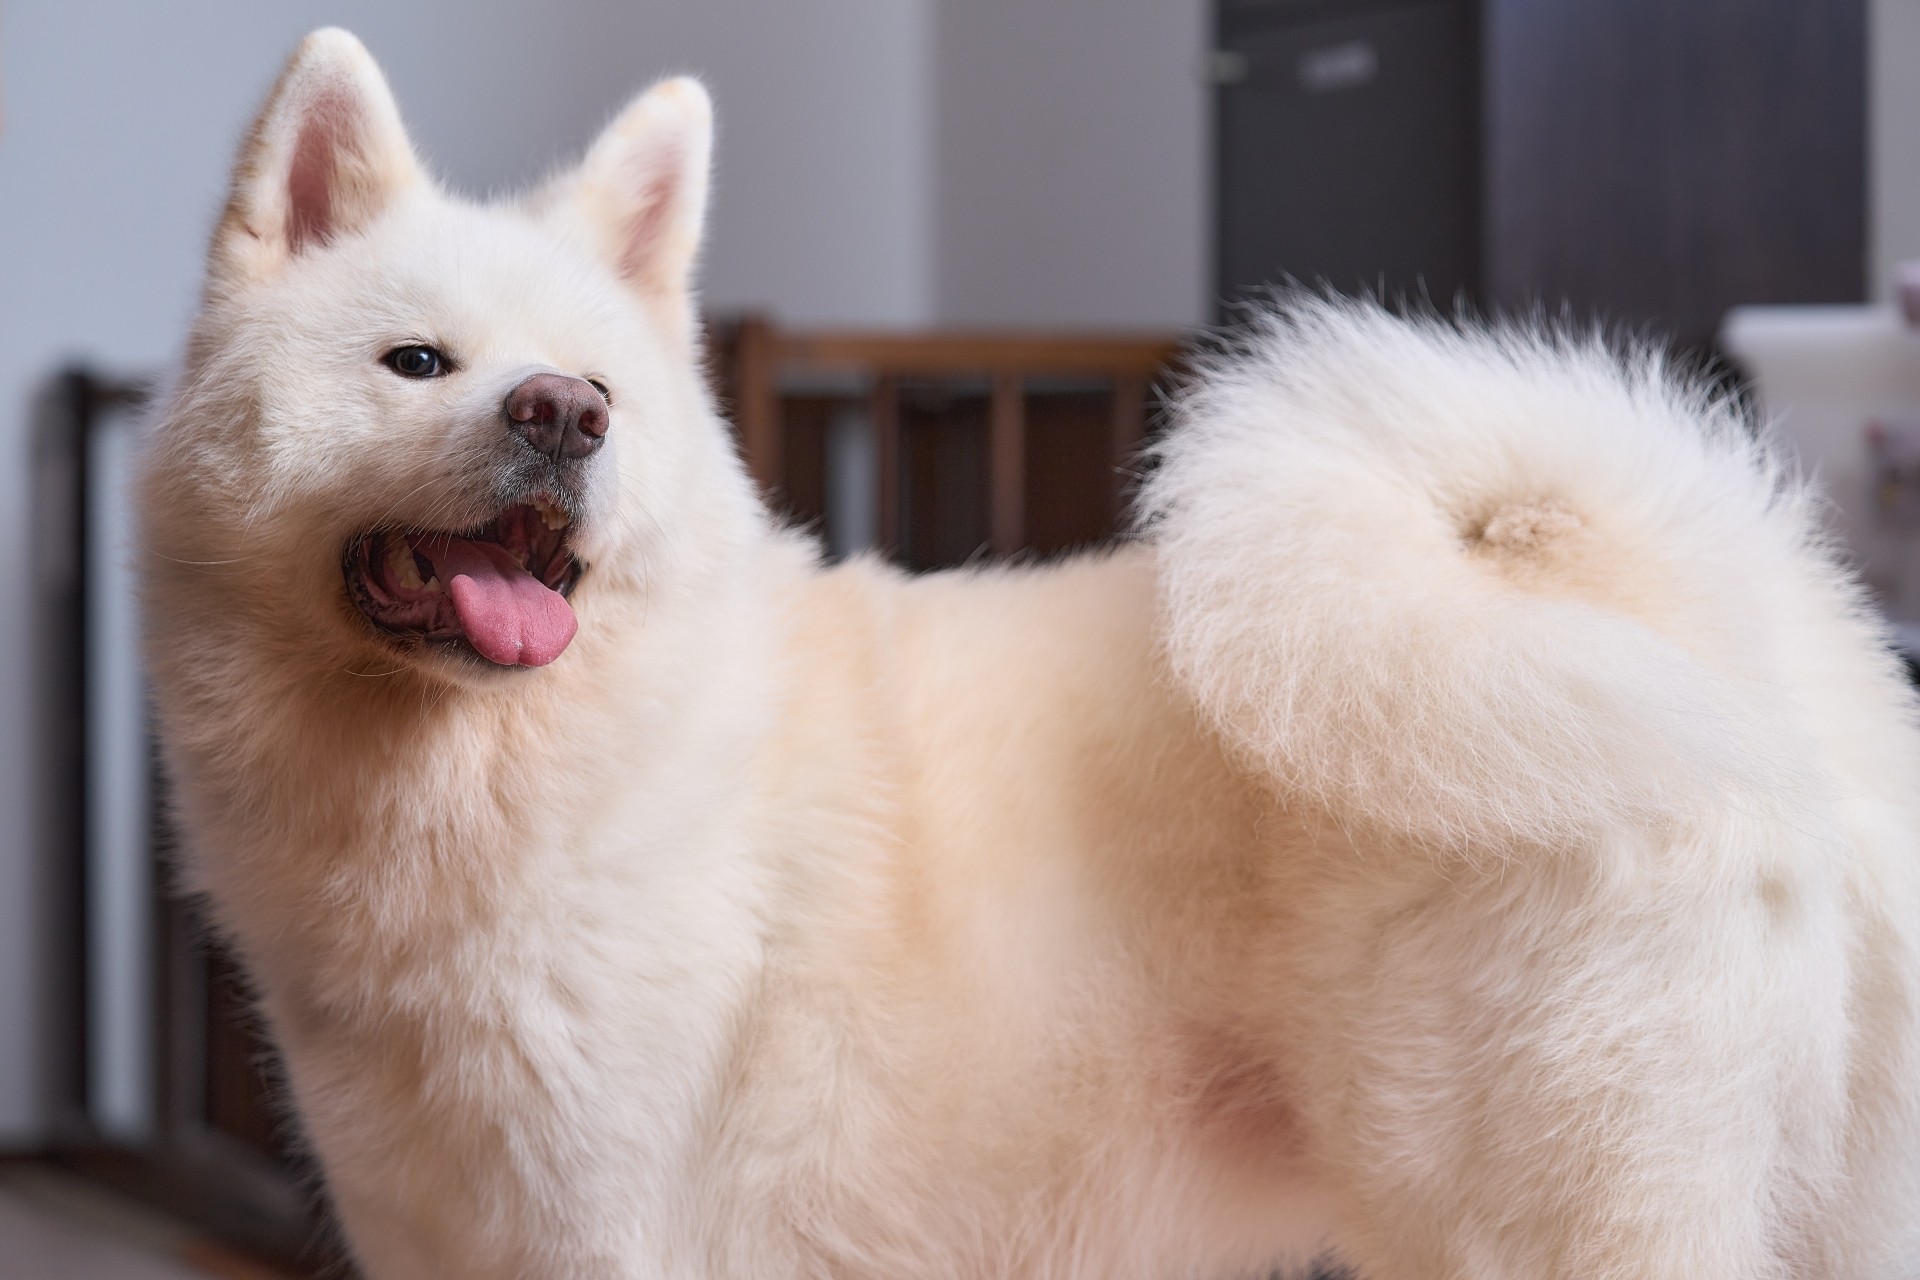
{"x":1555,"y":1072}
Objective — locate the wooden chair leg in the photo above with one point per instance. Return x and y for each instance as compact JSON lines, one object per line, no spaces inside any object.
{"x":1129,"y":432}
{"x":756,"y":373}
{"x":884,"y":410}
{"x":1007,"y":465}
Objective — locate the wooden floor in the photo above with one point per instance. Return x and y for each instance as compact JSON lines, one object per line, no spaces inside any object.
{"x":54,"y":1226}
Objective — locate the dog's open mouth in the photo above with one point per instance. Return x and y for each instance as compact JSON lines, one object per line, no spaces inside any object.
{"x":500,"y":590}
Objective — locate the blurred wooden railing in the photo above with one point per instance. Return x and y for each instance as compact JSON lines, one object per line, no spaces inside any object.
{"x":760,"y":363}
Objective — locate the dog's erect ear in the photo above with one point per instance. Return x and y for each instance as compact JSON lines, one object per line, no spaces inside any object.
{"x":327,"y":154}
{"x":641,"y":195}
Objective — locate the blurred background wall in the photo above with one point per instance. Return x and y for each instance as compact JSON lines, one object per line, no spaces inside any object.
{"x":1893,"y":125}
{"x":1071,"y":160}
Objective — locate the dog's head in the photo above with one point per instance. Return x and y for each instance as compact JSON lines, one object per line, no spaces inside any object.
{"x":412,"y":427}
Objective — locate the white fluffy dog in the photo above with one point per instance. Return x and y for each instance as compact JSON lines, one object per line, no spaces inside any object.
{"x":1471,"y":830}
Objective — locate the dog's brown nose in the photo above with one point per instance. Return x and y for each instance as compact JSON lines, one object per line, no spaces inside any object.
{"x":562,"y":417}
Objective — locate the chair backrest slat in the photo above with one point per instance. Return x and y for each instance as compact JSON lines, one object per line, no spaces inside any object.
{"x":762,"y":367}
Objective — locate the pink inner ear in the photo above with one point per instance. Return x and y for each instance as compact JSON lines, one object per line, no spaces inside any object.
{"x":654,"y":190}
{"x":315,"y":172}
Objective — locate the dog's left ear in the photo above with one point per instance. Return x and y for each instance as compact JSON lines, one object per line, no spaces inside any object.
{"x":641,"y":196}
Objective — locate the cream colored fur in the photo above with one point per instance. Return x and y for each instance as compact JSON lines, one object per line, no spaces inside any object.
{"x":1472,"y":828}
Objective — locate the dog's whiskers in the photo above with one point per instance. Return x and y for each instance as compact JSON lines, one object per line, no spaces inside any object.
{"x":371,"y":675}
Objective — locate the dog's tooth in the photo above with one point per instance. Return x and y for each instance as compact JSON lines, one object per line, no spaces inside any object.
{"x":400,"y":565}
{"x":433,"y":583}
{"x":550,"y":515}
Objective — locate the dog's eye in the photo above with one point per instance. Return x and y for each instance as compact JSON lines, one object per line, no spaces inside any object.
{"x":601,"y":387}
{"x":416,"y":362}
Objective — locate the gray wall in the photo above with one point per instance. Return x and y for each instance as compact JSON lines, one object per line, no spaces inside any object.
{"x":1893,"y":160}
{"x":1072,"y":162}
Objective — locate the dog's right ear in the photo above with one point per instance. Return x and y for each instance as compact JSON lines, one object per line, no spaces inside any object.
{"x":326,"y":156}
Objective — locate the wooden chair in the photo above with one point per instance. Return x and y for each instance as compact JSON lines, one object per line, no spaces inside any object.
{"x":761,"y":366}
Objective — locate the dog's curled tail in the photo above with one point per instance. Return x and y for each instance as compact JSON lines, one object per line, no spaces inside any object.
{"x":1489,"y":587}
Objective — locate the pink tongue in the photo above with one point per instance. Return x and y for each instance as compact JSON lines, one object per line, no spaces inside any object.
{"x":510,"y":616}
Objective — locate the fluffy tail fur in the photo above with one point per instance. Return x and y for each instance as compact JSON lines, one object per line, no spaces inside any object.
{"x":1488,"y":587}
